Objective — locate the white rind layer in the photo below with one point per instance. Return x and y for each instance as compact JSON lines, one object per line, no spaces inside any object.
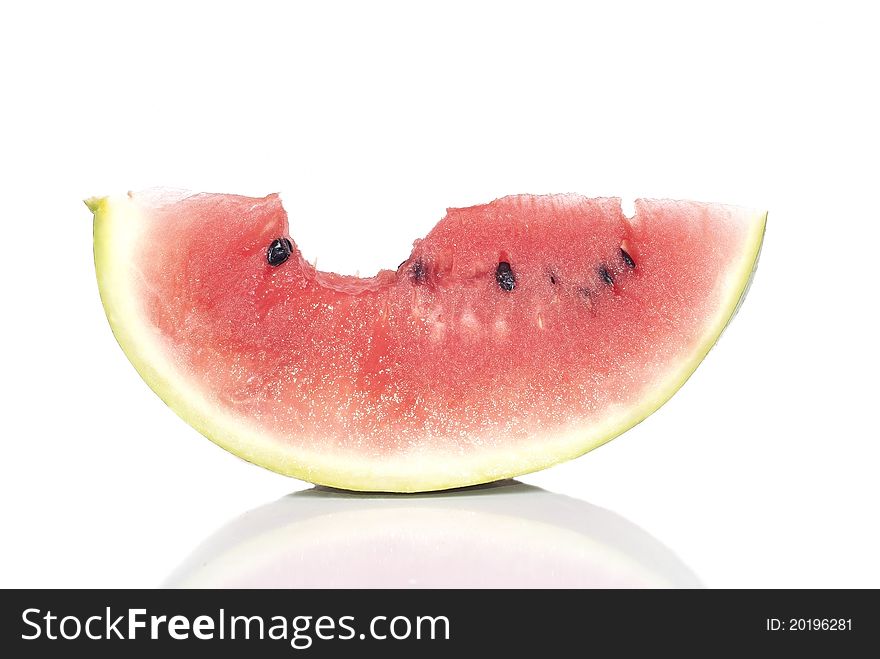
{"x":118,"y":223}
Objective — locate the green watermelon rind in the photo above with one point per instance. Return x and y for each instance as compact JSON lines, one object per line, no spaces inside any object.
{"x":116,"y":225}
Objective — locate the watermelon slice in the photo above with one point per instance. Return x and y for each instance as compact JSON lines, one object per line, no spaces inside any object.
{"x":517,"y":334}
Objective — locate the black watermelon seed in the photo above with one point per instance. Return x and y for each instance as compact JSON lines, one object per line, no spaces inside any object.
{"x":553,"y":278}
{"x":627,"y":259}
{"x":417,"y":271}
{"x":504,"y":276}
{"x":606,"y":276}
{"x":279,"y":251}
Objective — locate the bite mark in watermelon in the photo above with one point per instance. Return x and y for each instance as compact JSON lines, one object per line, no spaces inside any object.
{"x":517,"y":334}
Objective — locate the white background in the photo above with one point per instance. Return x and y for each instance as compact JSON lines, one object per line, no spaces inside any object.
{"x":371,"y":119}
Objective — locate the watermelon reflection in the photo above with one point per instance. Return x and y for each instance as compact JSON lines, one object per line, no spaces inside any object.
{"x":501,"y":535}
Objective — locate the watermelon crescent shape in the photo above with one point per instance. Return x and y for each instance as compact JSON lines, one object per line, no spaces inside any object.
{"x":517,"y":334}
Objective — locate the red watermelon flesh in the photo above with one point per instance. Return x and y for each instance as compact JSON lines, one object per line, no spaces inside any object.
{"x":517,"y":334}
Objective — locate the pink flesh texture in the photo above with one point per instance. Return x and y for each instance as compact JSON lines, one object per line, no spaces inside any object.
{"x":389,"y":364}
